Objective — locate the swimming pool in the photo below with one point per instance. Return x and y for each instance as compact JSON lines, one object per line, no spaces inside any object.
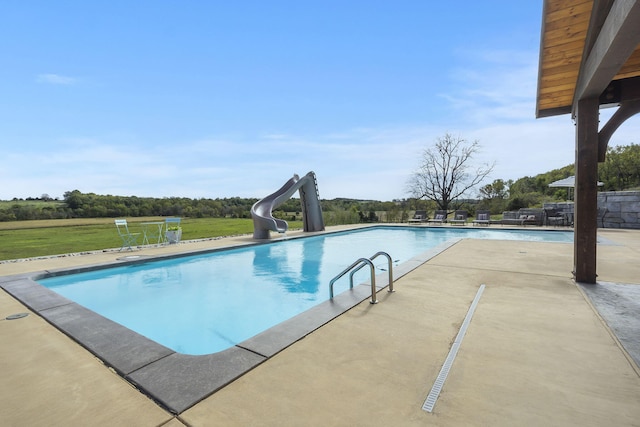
{"x":209,"y":302}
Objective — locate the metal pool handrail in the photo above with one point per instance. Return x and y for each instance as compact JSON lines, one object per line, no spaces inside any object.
{"x":361,"y":262}
{"x":389,"y":269}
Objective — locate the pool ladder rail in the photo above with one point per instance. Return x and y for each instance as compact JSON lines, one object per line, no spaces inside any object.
{"x":357,"y":265}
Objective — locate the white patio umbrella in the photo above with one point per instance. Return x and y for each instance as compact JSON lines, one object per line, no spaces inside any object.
{"x":569,"y":183}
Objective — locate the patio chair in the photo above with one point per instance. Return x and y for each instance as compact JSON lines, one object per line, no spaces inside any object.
{"x":460,"y":217}
{"x":482,"y":217}
{"x":419,"y":216}
{"x":553,"y":217}
{"x":128,"y":238}
{"x":440,"y":217}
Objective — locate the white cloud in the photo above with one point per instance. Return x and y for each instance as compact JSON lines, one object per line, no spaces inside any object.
{"x":55,"y":79}
{"x":494,"y":96}
{"x":495,"y":86}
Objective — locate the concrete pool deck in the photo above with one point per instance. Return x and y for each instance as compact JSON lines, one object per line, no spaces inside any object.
{"x":537,"y":351}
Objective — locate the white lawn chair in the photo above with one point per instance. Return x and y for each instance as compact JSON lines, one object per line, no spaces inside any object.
{"x":128,"y":238}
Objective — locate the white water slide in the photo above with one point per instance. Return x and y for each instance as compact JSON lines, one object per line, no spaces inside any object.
{"x":261,"y":211}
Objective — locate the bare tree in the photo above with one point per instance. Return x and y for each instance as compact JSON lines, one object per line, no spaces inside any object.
{"x":446,"y":172}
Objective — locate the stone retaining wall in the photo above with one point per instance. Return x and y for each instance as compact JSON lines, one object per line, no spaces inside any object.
{"x":616,"y":209}
{"x":619,"y":209}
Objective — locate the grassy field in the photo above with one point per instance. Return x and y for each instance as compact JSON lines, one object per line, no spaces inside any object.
{"x":27,"y":239}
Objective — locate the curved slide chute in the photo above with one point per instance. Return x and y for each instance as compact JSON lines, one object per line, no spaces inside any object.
{"x":263,"y":220}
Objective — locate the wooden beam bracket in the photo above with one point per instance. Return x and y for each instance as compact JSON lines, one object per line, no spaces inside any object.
{"x":626,"y":93}
{"x":625,"y":111}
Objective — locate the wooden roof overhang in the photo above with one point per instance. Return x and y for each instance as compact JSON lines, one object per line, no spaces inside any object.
{"x":588,"y":48}
{"x":589,"y":58}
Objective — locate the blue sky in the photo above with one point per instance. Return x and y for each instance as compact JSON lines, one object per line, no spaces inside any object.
{"x":222,"y":99}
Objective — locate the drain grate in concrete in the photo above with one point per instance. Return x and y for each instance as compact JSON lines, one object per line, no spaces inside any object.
{"x":444,"y":371}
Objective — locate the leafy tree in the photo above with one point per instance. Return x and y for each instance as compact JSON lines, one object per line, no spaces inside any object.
{"x":524,"y":193}
{"x":73,"y":199}
{"x":498,"y":189}
{"x":446,"y":172}
{"x":621,"y":168}
{"x":494,"y":195}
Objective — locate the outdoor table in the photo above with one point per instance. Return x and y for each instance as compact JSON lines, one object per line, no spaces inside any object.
{"x":152,"y":231}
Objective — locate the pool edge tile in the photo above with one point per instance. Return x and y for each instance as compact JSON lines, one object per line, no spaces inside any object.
{"x":120,"y":348}
{"x":179,"y":381}
{"x":33,"y":295}
{"x":281,"y":336}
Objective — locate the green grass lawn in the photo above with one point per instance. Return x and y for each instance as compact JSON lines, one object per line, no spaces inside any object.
{"x":27,"y":239}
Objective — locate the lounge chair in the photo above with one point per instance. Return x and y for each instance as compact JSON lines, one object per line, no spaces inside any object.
{"x":525,"y":216}
{"x":460,"y":217}
{"x":418,"y":217}
{"x":128,"y":238}
{"x":482,"y":218}
{"x":553,"y":217}
{"x":512,"y":218}
{"x":440,"y":217}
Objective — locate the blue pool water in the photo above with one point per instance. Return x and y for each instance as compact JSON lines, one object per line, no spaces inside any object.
{"x":208,"y":302}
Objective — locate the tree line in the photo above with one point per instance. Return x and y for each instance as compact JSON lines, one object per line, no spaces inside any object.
{"x":76,"y":204}
{"x":620,"y":171}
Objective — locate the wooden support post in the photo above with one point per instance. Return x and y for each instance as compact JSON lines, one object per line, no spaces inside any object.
{"x":586,"y":196}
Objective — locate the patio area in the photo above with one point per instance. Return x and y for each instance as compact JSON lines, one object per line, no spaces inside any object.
{"x":539,"y":350}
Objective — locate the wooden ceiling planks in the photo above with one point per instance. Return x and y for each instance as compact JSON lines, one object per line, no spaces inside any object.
{"x":564,"y":31}
{"x":631,"y":67}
